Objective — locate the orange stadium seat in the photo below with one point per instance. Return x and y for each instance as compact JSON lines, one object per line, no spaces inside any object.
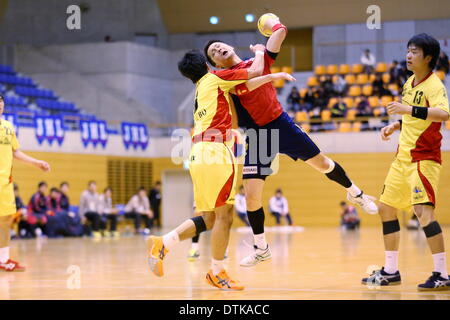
{"x":393,"y":87}
{"x":345,"y":127}
{"x":322,"y":78}
{"x":440,"y":74}
{"x":372,"y":77}
{"x":385,"y":100}
{"x":301,"y":116}
{"x":381,"y":67}
{"x":306,"y":127}
{"x":356,"y":127}
{"x":357,"y":68}
{"x":287,"y":69}
{"x":377,"y":112}
{"x":350,"y":79}
{"x":332,"y":69}
{"x":362,"y":78}
{"x":320,"y":70}
{"x":349,"y":102}
{"x":312,"y":82}
{"x":357,"y":100}
{"x":344,"y":69}
{"x":374,"y":102}
{"x":367,"y":90}
{"x":275,"y":69}
{"x":326,"y":115}
{"x":386,"y":77}
{"x":351,"y":114}
{"x":334,"y":78}
{"x":303,"y":92}
{"x":354,"y":91}
{"x":332,"y":102}
{"x":279,"y":83}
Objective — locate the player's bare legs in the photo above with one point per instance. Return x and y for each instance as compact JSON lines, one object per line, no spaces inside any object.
{"x":6,"y":264}
{"x":255,"y":213}
{"x":335,"y":172}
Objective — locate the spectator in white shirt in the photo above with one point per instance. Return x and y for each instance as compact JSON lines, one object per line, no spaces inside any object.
{"x":368,"y":61}
{"x":240,"y":206}
{"x":108,"y":213}
{"x":138,"y":208}
{"x":279,"y":207}
{"x":88,"y":208}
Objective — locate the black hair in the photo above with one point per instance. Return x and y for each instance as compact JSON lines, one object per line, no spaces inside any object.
{"x":278,"y":191}
{"x":157,"y":182}
{"x":429,"y":45}
{"x":1,"y":98}
{"x":205,"y":51}
{"x":54,"y":190}
{"x":64,"y":183}
{"x":91,"y":182}
{"x":193,"y":65}
{"x":343,"y":203}
{"x":16,"y":187}
{"x":41,"y":184}
{"x":107,"y":189}
{"x":142,"y":188}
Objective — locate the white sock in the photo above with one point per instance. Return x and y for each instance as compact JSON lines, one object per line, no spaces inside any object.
{"x":216,"y":266}
{"x":440,"y":264}
{"x":171,"y":239}
{"x":194,"y":246}
{"x":354,"y":190}
{"x":4,"y":254}
{"x":260,"y":241}
{"x":391,"y":261}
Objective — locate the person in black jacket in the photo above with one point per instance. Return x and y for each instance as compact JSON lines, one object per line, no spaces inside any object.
{"x":155,"y":203}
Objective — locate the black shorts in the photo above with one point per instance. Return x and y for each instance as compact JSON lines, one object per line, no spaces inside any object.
{"x":281,"y":135}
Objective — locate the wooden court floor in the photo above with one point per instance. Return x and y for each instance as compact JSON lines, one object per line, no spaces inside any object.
{"x":318,"y":263}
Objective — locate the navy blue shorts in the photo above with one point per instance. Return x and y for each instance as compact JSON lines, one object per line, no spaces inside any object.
{"x":281,"y":135}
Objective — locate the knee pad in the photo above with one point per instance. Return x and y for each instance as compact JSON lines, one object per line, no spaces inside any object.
{"x":200,"y":225}
{"x":391,"y":227}
{"x":432,"y":229}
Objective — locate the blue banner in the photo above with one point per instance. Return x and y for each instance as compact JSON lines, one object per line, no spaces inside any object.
{"x":49,"y":128}
{"x":94,"y":132}
{"x":135,"y":135}
{"x":12,"y":117}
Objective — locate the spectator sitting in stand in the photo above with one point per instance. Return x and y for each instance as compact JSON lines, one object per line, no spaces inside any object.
{"x":37,"y":210}
{"x":340,"y":86}
{"x":55,"y":218}
{"x":279,"y":207}
{"x":349,"y":217}
{"x":368,"y":61}
{"x":155,"y":198}
{"x":394,"y":72}
{"x":20,"y":225}
{"x":293,"y":100}
{"x":139,"y":208}
{"x":72,"y":220}
{"x":339,"y":109}
{"x":108,"y":213}
{"x":442,"y":63}
{"x":88,"y":209}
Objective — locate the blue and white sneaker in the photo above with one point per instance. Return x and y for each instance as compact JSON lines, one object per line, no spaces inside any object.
{"x":435,"y":283}
{"x":382,"y":278}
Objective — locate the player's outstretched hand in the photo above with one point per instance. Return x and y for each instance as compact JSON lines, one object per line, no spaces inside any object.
{"x":397,"y":108}
{"x":44,"y":166}
{"x":257,"y":47}
{"x":387,"y":131}
{"x":283,"y":75}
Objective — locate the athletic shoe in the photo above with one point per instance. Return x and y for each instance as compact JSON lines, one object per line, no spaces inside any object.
{"x":193,"y":254}
{"x":146,"y":231}
{"x":382,"y":278}
{"x":96,"y":235}
{"x":116,"y":234}
{"x":365,"y":202}
{"x":156,"y":254}
{"x":258,"y":256}
{"x":435,"y":283}
{"x":223,"y":281}
{"x":11,"y":266}
{"x":106,"y":234}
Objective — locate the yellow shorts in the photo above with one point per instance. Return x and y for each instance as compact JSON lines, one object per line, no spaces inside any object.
{"x":408,"y":183}
{"x":214,"y":173}
{"x":7,"y":200}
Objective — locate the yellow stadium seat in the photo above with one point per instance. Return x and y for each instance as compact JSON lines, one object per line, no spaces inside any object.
{"x":334,"y":78}
{"x":350,"y":79}
{"x":372,"y":77}
{"x":447,"y":124}
{"x":357,"y":100}
{"x":322,"y":78}
{"x":312,"y":82}
{"x":356,"y":127}
{"x":367,"y":90}
{"x":440,"y":74}
{"x":349,"y":102}
{"x":393,"y":87}
{"x":362,"y":78}
{"x":374,"y":102}
{"x":344,"y":69}
{"x":306,"y":127}
{"x":354,"y":91}
{"x":332,"y":102}
{"x":279,"y":83}
{"x":275,"y":69}
{"x":385,"y":100}
{"x":332,"y":69}
{"x":377,"y":112}
{"x":386,"y":77}
{"x":381,"y":67}
{"x":319,"y":70}
{"x":287,"y":69}
{"x":326,"y":115}
{"x":301,"y":116}
{"x":303,"y":92}
{"x":351,"y":114}
{"x":398,"y":99}
{"x":345,"y":127}
{"x":357,"y":68}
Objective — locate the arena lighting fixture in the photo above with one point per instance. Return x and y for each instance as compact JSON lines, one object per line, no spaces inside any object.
{"x":214,"y":20}
{"x":249,"y":17}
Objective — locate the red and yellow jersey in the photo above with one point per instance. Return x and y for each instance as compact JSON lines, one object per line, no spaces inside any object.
{"x":421,"y":139}
{"x":212,"y":113}
{"x":8,"y":144}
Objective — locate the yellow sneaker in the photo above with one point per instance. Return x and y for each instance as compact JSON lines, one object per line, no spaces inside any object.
{"x":116,"y":234}
{"x":106,"y":234}
{"x":96,"y":235}
{"x":193,"y":255}
{"x":223,"y":281}
{"x":156,"y":253}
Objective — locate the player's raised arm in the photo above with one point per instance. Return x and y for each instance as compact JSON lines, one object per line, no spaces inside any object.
{"x":257,"y":67}
{"x":279,"y":32}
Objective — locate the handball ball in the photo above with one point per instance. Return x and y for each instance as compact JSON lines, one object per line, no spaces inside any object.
{"x":262,"y":22}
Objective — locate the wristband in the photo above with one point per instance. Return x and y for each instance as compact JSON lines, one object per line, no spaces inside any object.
{"x":259,"y":52}
{"x":419,"y":112}
{"x":278,"y":26}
